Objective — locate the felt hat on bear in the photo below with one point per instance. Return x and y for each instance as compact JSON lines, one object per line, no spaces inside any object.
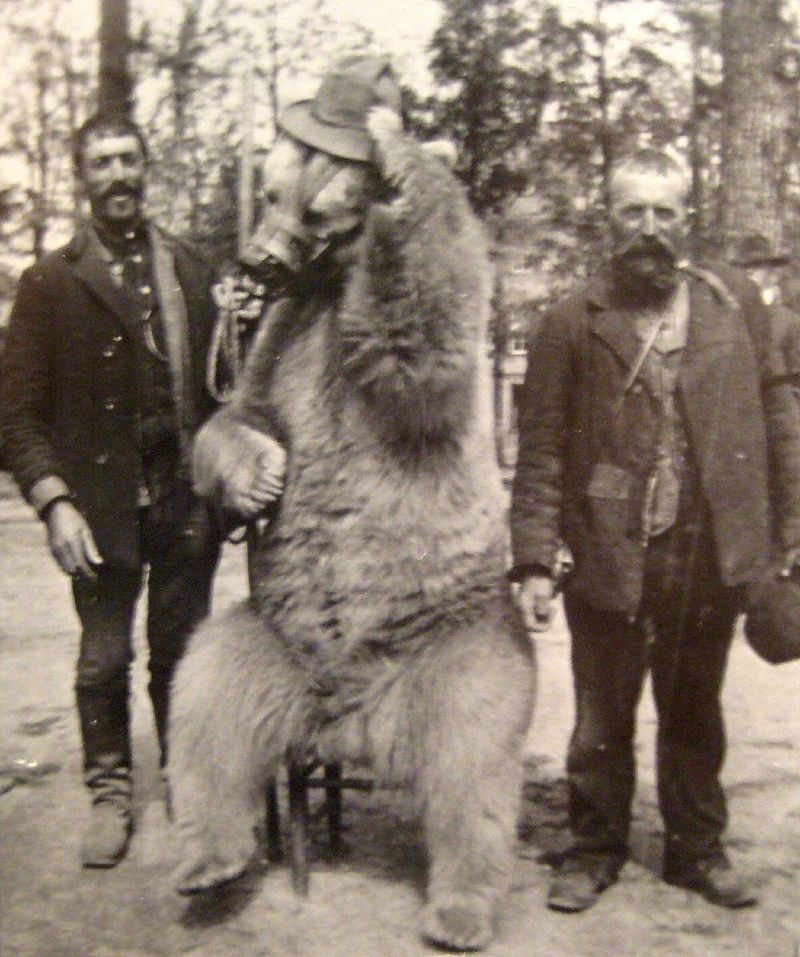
{"x":335,"y":120}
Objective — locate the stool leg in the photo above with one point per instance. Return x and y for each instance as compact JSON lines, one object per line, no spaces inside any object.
{"x":274,"y":849}
{"x":333,"y":805}
{"x":298,"y":829}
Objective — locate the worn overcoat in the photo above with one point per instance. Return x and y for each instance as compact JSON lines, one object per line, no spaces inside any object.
{"x":586,"y":453}
{"x":68,"y":406}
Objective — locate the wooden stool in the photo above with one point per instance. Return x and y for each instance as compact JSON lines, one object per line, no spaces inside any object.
{"x":301,"y":777}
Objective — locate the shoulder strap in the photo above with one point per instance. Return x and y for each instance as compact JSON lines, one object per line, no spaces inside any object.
{"x":699,"y":272}
{"x":647,"y":345}
{"x":713,"y":280}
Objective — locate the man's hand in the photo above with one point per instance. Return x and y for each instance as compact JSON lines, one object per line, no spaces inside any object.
{"x":791,"y":560}
{"x":535,"y":601}
{"x":71,"y":541}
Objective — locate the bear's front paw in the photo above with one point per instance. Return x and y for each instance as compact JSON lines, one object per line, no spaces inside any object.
{"x":238,"y":467}
{"x":391,"y":147}
{"x":252,"y":484}
{"x":458,"y":923}
{"x":384,"y":125}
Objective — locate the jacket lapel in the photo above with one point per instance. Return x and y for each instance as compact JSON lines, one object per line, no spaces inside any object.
{"x":713,"y":377}
{"x":91,"y":266}
{"x":176,"y":329}
{"x":713,"y":332}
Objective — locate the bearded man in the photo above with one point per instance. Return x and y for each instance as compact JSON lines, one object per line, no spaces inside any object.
{"x":653,"y":403}
{"x":103,"y":389}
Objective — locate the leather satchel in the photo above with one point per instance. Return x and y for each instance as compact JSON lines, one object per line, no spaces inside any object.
{"x":772,"y":622}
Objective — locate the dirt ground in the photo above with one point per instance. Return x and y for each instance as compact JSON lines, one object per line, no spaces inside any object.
{"x":366,"y":904}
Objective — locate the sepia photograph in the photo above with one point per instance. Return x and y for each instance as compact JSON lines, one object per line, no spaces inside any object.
{"x":400,"y":478}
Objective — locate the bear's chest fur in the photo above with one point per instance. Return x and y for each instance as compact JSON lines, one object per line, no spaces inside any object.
{"x":374,"y":544}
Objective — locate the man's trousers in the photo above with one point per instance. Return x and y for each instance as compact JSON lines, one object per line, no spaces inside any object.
{"x":682,"y":634}
{"x":181,"y":557}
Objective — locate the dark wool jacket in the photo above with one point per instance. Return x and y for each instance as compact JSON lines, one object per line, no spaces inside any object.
{"x":786,"y":323}
{"x":742,"y":426}
{"x":68,"y":398}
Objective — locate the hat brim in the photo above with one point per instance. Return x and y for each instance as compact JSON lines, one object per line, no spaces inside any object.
{"x":345,"y":142}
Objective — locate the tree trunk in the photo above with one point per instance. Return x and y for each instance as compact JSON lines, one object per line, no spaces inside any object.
{"x":274,"y":46}
{"x":71,"y":103}
{"x":42,"y":189}
{"x":754,"y":121}
{"x":604,"y":102}
{"x":695,"y":150}
{"x":246,"y":158}
{"x":115,"y":89}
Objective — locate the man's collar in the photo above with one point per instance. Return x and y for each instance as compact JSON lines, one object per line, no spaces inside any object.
{"x":77,"y":245}
{"x":120,"y":242}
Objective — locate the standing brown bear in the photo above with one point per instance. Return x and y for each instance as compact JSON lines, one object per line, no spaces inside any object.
{"x":381,"y":626}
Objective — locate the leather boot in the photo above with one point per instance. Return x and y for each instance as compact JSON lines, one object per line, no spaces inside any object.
{"x":714,"y":878}
{"x":108,"y":829}
{"x":581,"y":880}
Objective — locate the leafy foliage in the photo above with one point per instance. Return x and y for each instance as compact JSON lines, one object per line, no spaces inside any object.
{"x":538,"y":96}
{"x":50,"y":91}
{"x":492,"y":96}
{"x":224,"y":67}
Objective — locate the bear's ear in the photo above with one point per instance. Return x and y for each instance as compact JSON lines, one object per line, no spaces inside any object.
{"x":443,"y":150}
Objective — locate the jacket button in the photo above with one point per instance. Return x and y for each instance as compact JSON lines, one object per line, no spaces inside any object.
{"x":109,"y":405}
{"x":108,"y":352}
{"x":117,"y":338}
{"x":101,"y":459}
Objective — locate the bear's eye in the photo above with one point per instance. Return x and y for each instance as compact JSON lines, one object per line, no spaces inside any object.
{"x":271,"y":197}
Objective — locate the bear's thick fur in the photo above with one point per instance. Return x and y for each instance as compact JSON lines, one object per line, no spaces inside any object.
{"x":381,"y":626}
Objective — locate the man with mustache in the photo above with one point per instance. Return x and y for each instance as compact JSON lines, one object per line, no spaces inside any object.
{"x":103,"y":390}
{"x":653,"y":403}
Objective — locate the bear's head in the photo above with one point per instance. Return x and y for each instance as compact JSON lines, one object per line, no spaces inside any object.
{"x":313,"y":204}
{"x":345,"y":186}
{"x":319,"y":179}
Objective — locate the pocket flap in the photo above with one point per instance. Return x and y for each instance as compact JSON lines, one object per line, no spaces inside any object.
{"x":609,"y":481}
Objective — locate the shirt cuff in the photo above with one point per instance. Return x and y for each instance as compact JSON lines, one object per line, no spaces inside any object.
{"x":46,"y":491}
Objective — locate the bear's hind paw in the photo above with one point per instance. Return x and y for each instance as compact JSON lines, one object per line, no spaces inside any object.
{"x":197,"y":877}
{"x":457,"y":924}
